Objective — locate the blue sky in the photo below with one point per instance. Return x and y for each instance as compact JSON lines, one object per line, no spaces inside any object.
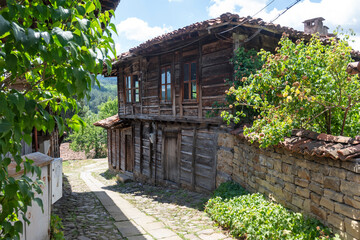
{"x":140,"y":20}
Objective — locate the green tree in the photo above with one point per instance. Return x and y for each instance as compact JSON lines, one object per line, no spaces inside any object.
{"x":305,"y":86}
{"x":55,"y":49}
{"x":91,"y":137}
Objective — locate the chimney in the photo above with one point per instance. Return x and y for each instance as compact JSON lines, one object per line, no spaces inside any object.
{"x":315,"y":25}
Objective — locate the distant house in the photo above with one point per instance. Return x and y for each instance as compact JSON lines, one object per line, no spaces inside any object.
{"x":166,"y":86}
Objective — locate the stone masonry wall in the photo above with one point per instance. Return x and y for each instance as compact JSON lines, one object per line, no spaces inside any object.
{"x":326,"y":189}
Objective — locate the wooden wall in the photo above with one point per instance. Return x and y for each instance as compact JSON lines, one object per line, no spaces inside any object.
{"x":177,"y":154}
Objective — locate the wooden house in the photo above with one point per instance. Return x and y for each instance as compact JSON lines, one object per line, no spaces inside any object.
{"x":166,"y":87}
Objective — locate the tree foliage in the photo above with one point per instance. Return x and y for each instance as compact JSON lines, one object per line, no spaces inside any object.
{"x":54,"y":50}
{"x":91,"y":137}
{"x":303,"y":85}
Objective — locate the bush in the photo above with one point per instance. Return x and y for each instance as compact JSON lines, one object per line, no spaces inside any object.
{"x":304,"y":85}
{"x":251,"y":216}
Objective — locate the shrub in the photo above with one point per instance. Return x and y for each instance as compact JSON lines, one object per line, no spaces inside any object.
{"x":251,"y":216}
{"x":303,"y":85}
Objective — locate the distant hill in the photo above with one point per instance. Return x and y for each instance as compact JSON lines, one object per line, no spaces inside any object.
{"x":100,"y":95}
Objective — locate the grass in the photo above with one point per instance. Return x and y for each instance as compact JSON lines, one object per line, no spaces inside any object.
{"x":252,"y":216}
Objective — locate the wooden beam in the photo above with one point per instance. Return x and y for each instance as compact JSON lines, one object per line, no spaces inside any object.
{"x":193,"y":161}
{"x":200,"y":115}
{"x":141,"y":147}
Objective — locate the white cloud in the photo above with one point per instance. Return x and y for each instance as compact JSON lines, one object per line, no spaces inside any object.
{"x":137,"y":29}
{"x":344,"y":13}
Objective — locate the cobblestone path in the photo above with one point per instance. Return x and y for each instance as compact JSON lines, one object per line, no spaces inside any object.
{"x":128,"y":211}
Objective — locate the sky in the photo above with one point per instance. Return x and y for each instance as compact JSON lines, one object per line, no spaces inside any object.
{"x":139,"y":20}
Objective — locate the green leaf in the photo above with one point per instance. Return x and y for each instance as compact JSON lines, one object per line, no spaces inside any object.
{"x":10,"y":190}
{"x":5,"y":126}
{"x":4,"y":25}
{"x":45,"y":36}
{"x":34,"y":37}
{"x":63,"y":36}
{"x":18,"y":226}
{"x":19,"y":32}
{"x":84,"y":23}
{"x":89,"y":7}
{"x":40,"y":203}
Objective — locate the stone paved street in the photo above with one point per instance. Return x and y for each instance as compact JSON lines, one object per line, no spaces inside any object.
{"x":95,"y":206}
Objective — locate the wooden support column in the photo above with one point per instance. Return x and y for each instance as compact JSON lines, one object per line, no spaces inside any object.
{"x":200,"y":113}
{"x":141,"y":147}
{"x":155,"y":152}
{"x":150,"y":151}
{"x":193,"y":177}
{"x":173,"y":86}
{"x":159,"y":83}
{"x":181,"y":84}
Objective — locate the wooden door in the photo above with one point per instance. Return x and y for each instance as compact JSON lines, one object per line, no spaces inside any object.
{"x":129,"y":159}
{"x":127,"y":150}
{"x":170,"y":159}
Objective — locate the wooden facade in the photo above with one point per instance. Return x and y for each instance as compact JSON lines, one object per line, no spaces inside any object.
{"x":166,"y":88}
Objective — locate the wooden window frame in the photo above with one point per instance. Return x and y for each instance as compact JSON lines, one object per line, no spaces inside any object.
{"x":166,"y":84}
{"x":190,"y":81}
{"x":132,"y":88}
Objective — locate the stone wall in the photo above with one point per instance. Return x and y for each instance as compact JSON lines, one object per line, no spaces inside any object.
{"x":326,"y":189}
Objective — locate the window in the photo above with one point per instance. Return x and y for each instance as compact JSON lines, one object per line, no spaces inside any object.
{"x":166,"y":84}
{"x":132,"y":88}
{"x":190,"y":77}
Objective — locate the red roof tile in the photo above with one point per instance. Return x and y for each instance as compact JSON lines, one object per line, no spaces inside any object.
{"x":314,"y":144}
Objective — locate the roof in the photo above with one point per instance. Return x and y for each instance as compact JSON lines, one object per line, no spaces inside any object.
{"x":39,"y":159}
{"x":108,"y":122}
{"x":313,"y":19}
{"x":206,"y":27}
{"x":353,"y":68}
{"x":317,"y":144}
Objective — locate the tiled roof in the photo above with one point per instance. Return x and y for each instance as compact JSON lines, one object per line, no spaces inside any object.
{"x":317,"y":144}
{"x":108,"y":122}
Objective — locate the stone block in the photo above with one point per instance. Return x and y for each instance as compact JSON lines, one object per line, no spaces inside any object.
{"x":353,"y":177}
{"x":350,"y":188}
{"x":290,"y":187}
{"x":332,"y":183}
{"x":329,"y":204}
{"x":225,"y":156}
{"x":314,"y":187}
{"x":297,"y":201}
{"x":304,"y":192}
{"x":286,"y":168}
{"x":348,"y":211}
{"x":315,"y":198}
{"x":353,"y":166}
{"x":288,"y":195}
{"x":352,"y":227}
{"x":307,"y":204}
{"x":317,"y":177}
{"x":277,"y":165}
{"x":337,"y":221}
{"x":304,"y":174}
{"x":226,"y":140}
{"x":288,"y":178}
{"x":337,"y":172}
{"x":301,"y":182}
{"x":352,"y":202}
{"x":339,"y":197}
{"x":318,"y":211}
{"x":313,"y":166}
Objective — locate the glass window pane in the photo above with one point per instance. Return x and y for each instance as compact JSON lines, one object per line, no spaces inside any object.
{"x":163,"y":92}
{"x":186,"y":72}
{"x":193,"y":90}
{"x":168,"y":91}
{"x":137,"y":97}
{"x":163,"y":76}
{"x":193,"y":71}
{"x":128,"y":82}
{"x":136,"y":81}
{"x":129,"y":95}
{"x":186,"y":90}
{"x":168,"y":76}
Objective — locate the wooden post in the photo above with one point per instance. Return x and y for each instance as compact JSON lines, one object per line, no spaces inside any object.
{"x":193,"y":177}
{"x":173,"y":86}
{"x":200,"y":114}
{"x":155,"y":152}
{"x":36,"y":140}
{"x":141,"y":147}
